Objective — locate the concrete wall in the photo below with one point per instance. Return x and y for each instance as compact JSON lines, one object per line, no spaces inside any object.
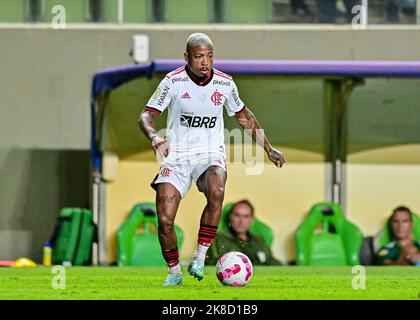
{"x":45,"y":78}
{"x":34,"y":185}
{"x":45,"y":74}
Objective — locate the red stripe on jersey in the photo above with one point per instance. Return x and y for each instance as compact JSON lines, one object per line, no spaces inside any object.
{"x":226,"y":74}
{"x":221,"y":74}
{"x":176,"y":71}
{"x":155,"y":111}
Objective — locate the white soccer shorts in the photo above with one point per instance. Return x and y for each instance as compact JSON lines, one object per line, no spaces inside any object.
{"x":180,"y":170}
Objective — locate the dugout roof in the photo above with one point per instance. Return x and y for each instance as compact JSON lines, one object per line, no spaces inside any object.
{"x":290,"y":99}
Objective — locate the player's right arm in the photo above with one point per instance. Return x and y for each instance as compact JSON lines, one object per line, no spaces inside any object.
{"x":158,"y":102}
{"x":148,"y":125}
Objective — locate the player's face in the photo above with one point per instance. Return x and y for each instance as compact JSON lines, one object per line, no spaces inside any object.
{"x":241,"y":218}
{"x":401,"y":225}
{"x":200,"y":60}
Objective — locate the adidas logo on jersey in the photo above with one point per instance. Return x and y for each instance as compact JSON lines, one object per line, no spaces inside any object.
{"x":186,"y":96}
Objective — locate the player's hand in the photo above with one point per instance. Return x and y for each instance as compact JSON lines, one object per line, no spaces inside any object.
{"x":413,"y":258}
{"x":276,"y":157}
{"x":160,"y":147}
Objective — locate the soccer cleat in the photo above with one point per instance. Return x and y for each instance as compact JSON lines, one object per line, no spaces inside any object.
{"x":196,"y":269}
{"x":173,"y":279}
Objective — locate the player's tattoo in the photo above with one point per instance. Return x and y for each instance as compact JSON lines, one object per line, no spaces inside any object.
{"x":251,"y":126}
{"x":147,"y":123}
{"x":246,"y":119}
{"x":166,"y":199}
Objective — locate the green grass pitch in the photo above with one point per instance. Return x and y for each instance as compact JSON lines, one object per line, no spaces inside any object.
{"x":267,"y":283}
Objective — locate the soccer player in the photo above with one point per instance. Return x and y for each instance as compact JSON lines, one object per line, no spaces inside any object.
{"x":193,"y":147}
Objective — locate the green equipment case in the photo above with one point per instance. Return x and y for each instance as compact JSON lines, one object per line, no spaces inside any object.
{"x":73,"y":237}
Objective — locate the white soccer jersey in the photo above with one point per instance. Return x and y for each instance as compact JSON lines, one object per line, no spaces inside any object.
{"x":195,"y":109}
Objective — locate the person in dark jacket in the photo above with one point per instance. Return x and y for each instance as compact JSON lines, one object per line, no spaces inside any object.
{"x":239,"y":238}
{"x":403,"y":249}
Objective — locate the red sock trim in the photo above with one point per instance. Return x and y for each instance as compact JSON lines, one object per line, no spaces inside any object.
{"x":171,"y":257}
{"x":206,"y":234}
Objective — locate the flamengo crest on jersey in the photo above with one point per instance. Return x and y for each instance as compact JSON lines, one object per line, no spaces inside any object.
{"x":195,"y":112}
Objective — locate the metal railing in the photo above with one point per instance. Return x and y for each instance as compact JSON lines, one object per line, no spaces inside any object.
{"x":277,"y":11}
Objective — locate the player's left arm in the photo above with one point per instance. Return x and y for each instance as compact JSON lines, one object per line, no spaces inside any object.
{"x":247,"y":120}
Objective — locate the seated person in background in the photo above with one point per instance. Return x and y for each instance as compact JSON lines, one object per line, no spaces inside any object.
{"x":404,"y":249}
{"x":238,"y":238}
{"x":299,"y":6}
{"x":408,"y":7}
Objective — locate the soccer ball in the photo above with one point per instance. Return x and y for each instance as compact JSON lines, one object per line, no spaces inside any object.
{"x":234,"y":269}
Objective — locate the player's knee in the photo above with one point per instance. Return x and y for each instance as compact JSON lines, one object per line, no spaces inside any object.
{"x":166,"y":222}
{"x":216,"y":194}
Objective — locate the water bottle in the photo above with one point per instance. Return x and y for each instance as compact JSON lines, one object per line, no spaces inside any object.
{"x":47,"y":254}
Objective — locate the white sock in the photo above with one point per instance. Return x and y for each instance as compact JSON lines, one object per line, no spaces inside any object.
{"x":176,"y":268}
{"x":200,"y":252}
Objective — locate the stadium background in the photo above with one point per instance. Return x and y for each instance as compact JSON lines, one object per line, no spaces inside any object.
{"x":46,"y":78}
